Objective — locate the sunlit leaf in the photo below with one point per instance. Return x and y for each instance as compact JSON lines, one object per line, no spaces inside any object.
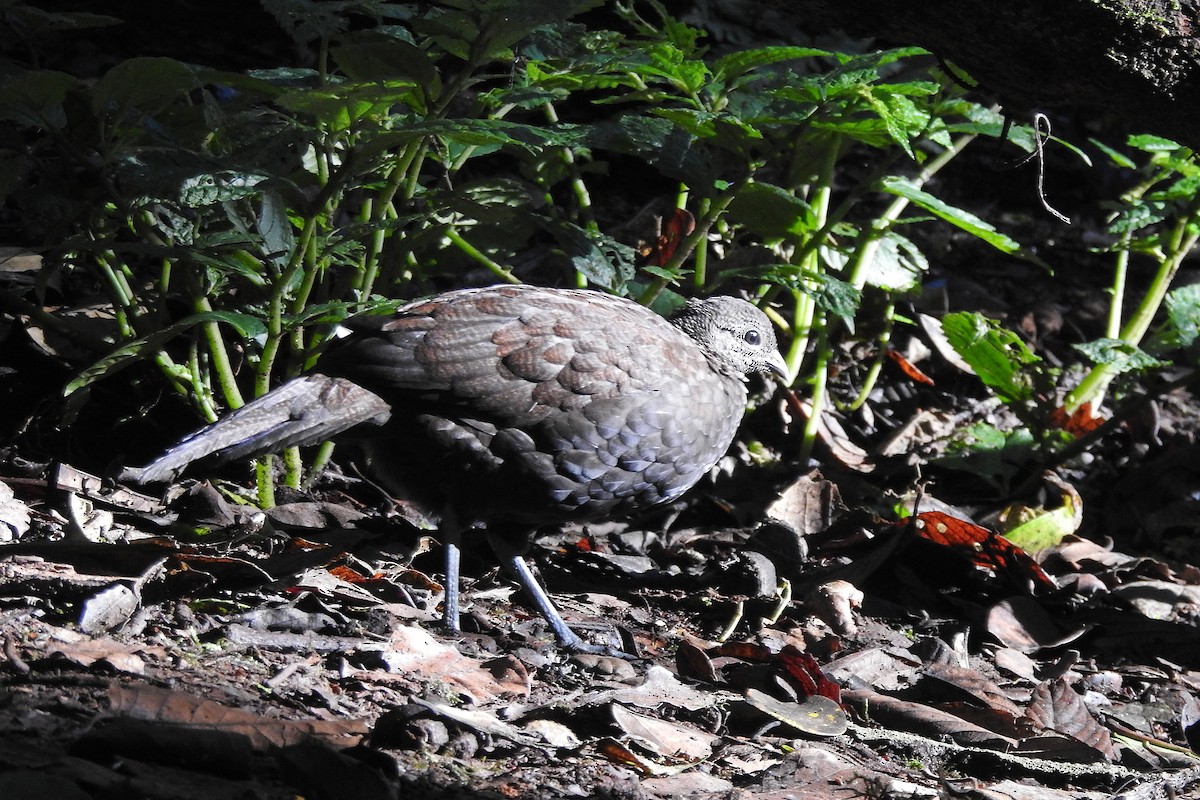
{"x":743,"y":61}
{"x":897,"y":266}
{"x":1035,"y":528}
{"x":957,"y":217}
{"x":997,"y":355}
{"x":1183,"y":314}
{"x":1118,"y":355}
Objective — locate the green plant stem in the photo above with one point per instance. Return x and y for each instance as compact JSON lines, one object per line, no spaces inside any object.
{"x":832,"y":218}
{"x":1116,"y":305}
{"x":716,"y":208}
{"x":808,"y":317}
{"x":125,"y":312}
{"x":320,"y":460}
{"x":496,"y":269}
{"x":1184,"y":236}
{"x":200,"y":392}
{"x":1183,"y":239}
{"x":300,"y":301}
{"x":868,"y":244}
{"x":219,"y":354}
{"x":274,"y":340}
{"x":264,"y":481}
{"x":883,"y":342}
{"x":700,"y":262}
{"x":583,"y":198}
{"x":1120,"y":275}
{"x":823,"y":355}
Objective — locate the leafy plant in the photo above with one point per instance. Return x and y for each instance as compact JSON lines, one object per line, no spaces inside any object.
{"x":233,"y":219}
{"x":1053,"y":433}
{"x":1159,"y":216}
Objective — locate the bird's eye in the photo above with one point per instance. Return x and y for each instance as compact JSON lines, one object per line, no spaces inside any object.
{"x":752,"y":337}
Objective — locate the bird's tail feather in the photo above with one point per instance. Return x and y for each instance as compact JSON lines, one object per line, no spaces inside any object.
{"x":303,"y":411}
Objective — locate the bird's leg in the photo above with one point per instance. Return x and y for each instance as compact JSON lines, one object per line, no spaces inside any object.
{"x":567,"y":638}
{"x":451,"y":540}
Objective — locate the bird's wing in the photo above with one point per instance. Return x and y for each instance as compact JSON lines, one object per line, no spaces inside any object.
{"x":303,"y":411}
{"x":512,"y":355}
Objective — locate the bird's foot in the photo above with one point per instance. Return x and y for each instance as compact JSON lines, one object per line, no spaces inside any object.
{"x":578,"y":645}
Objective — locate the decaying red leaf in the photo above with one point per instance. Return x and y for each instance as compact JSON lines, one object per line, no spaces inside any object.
{"x":1079,"y":422}
{"x":801,"y":667}
{"x":673,"y":229}
{"x":984,"y":549}
{"x":805,"y":671}
{"x":907,"y":367}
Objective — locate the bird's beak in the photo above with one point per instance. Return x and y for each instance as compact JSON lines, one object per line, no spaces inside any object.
{"x":778,"y":366}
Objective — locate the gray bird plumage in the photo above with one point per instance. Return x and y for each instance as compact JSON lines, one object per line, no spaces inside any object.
{"x":519,"y":405}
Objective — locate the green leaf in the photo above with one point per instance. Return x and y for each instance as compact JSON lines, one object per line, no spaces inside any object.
{"x":984,"y":451}
{"x":902,"y":118}
{"x":1149,"y":143}
{"x":481,"y":132}
{"x":342,"y":106}
{"x":1118,"y":355}
{"x":957,"y":217}
{"x":218,"y":187}
{"x":307,"y":20}
{"x":1035,"y":529}
{"x":604,"y":261}
{"x":35,"y":98}
{"x":1115,"y":156}
{"x":145,"y":347}
{"x":772,"y":212}
{"x":664,"y":145}
{"x":832,"y":295}
{"x":897,"y":266}
{"x":1141,"y":214}
{"x":383,"y":58}
{"x":1183,"y":314}
{"x":275,"y":228}
{"x":997,"y":355}
{"x":145,"y":85}
{"x":743,"y":61}
{"x":34,"y":22}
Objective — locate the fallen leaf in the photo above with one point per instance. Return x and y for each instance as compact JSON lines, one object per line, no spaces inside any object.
{"x":982,"y":548}
{"x":1036,"y":529}
{"x":154,"y":704}
{"x":1057,"y":707}
{"x":668,"y":739}
{"x":816,"y":715}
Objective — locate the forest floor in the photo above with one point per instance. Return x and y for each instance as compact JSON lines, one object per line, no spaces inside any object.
{"x":788,"y":637}
{"x":787,"y":641}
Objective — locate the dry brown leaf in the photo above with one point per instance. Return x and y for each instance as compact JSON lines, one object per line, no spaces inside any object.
{"x":665,"y":739}
{"x":1057,"y":707}
{"x":416,"y":654}
{"x":808,"y":506}
{"x":969,"y":683}
{"x":925,"y":720}
{"x":1023,"y":624}
{"x":86,"y":652}
{"x":688,"y":784}
{"x":660,"y":687}
{"x":885,"y":669}
{"x":151,"y":703}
